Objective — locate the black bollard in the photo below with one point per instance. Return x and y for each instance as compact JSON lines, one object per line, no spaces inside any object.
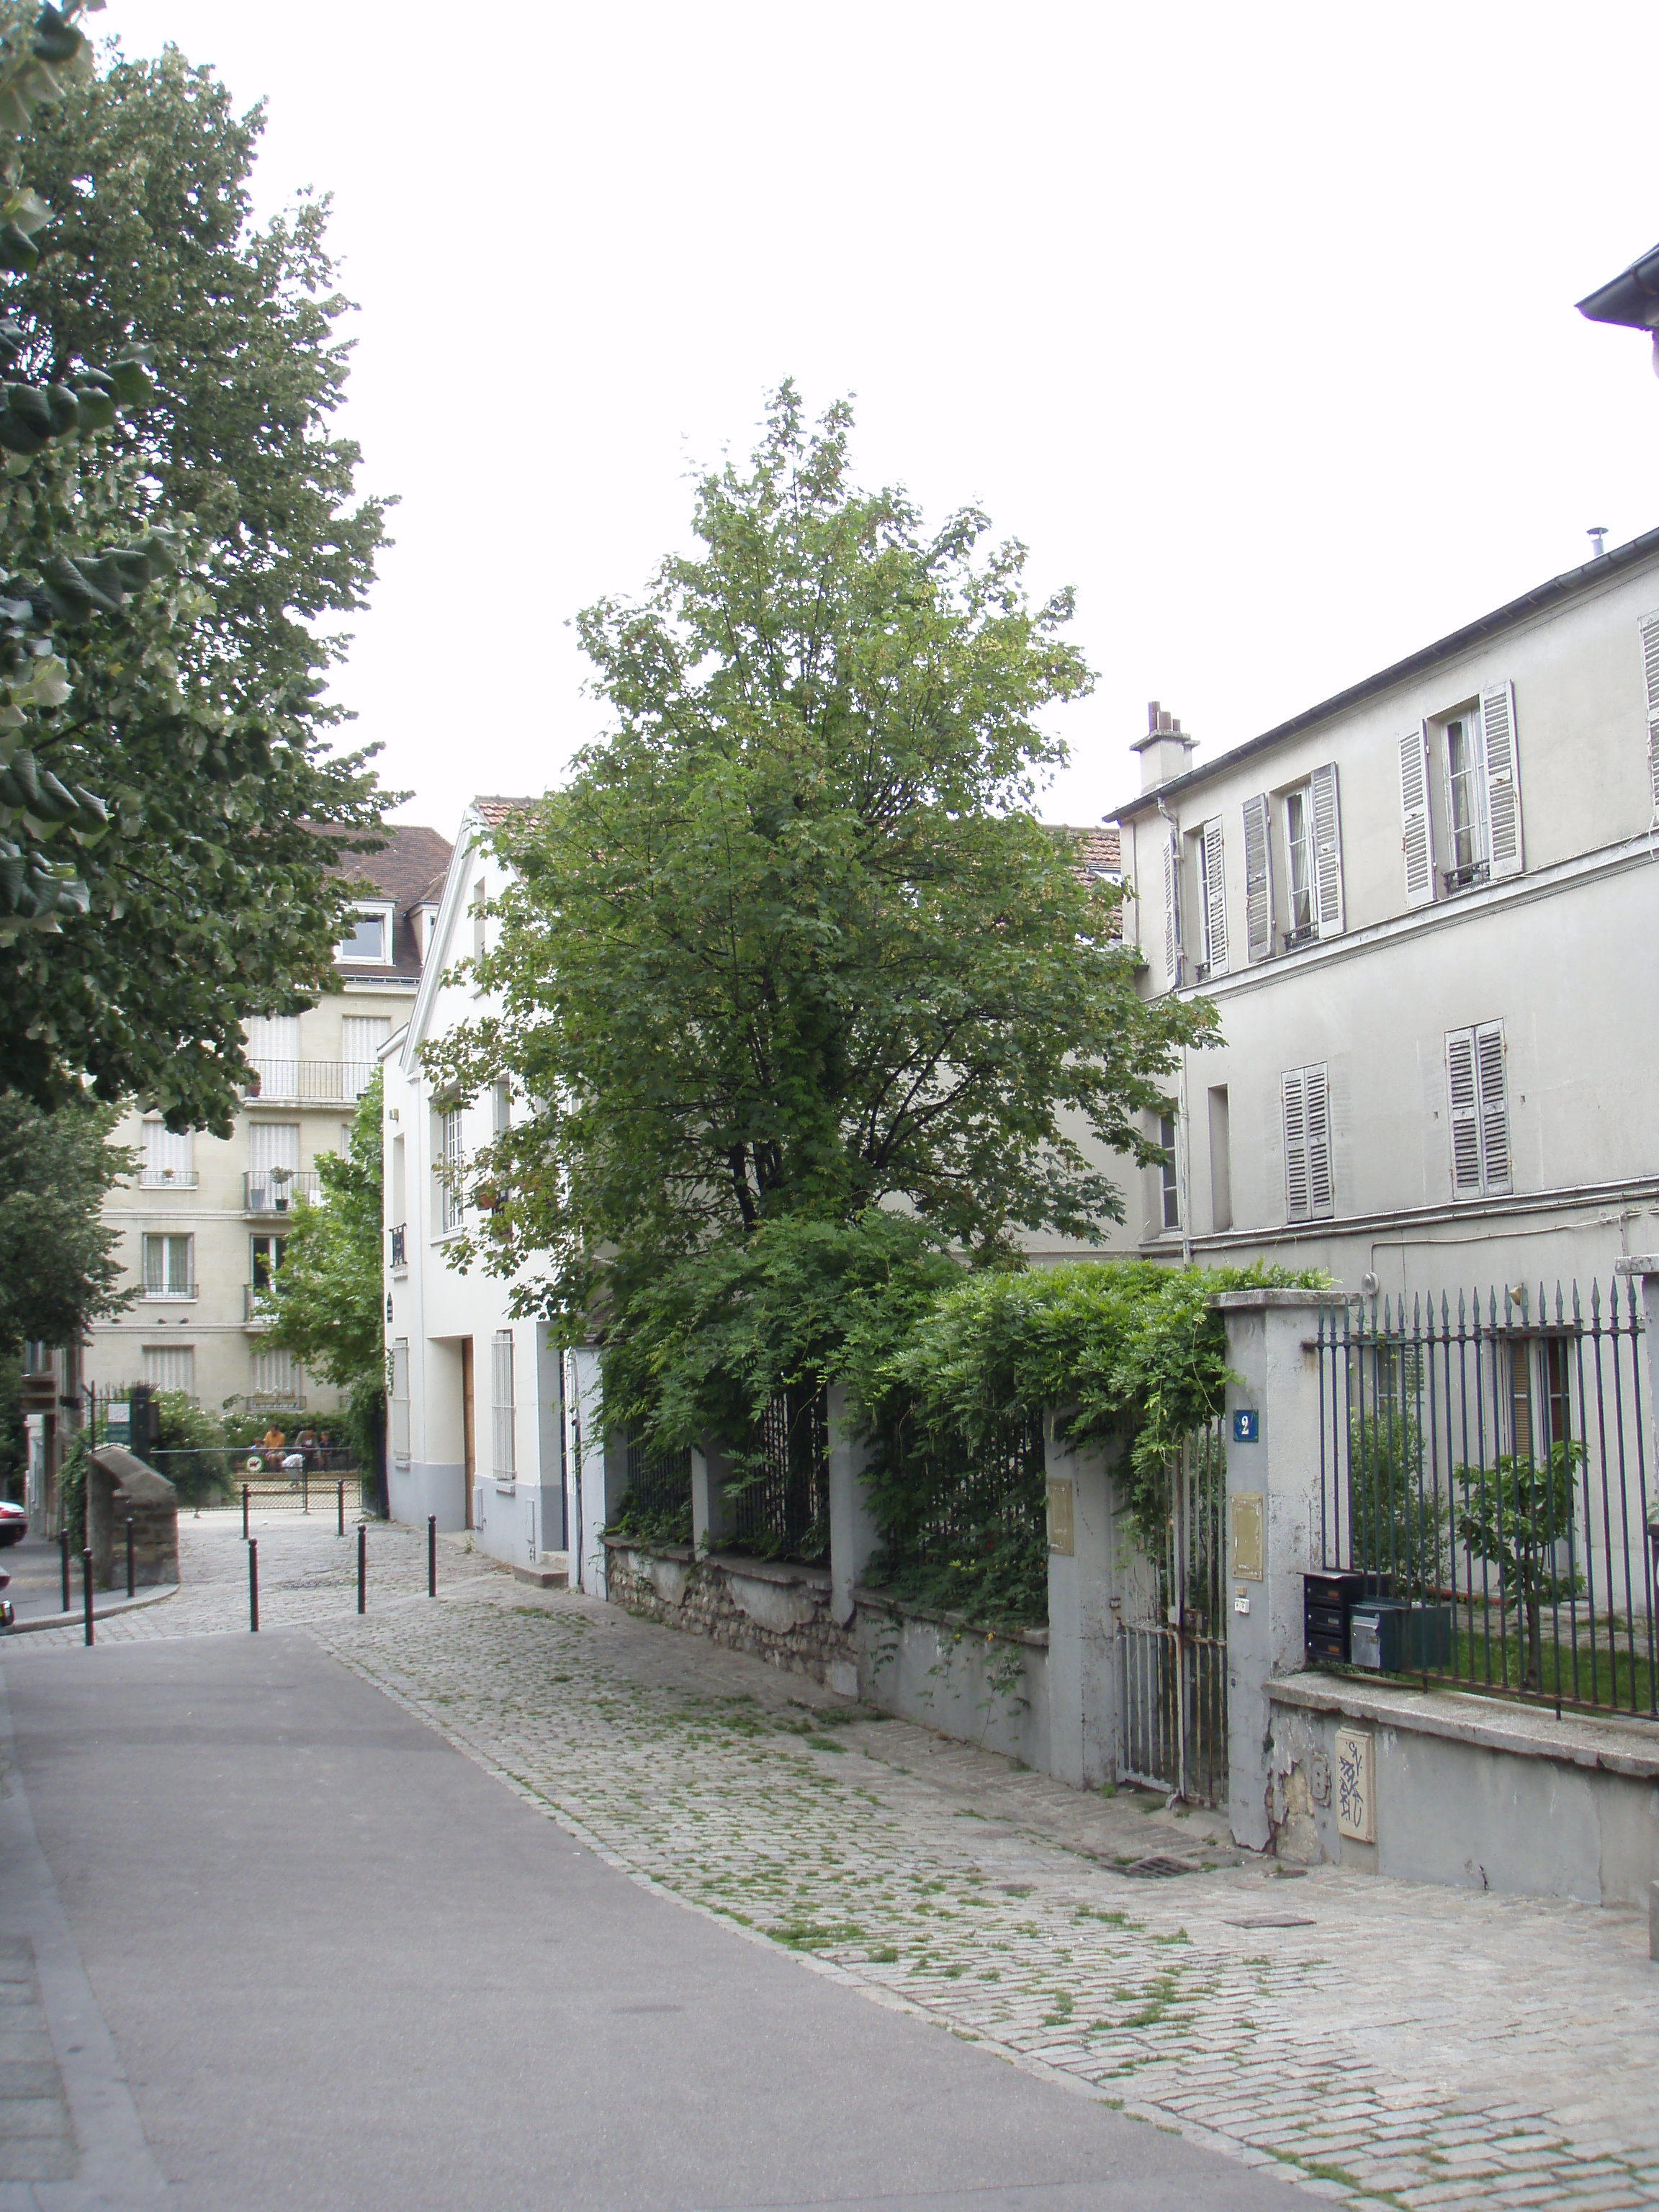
{"x":63,"y":1545}
{"x":254,"y":1587}
{"x":432,"y":1555}
{"x":244,"y":1513}
{"x":305,"y":1487}
{"x":132,"y":1563}
{"x":86,"y":1582}
{"x":340,"y":1486}
{"x":362,"y":1567}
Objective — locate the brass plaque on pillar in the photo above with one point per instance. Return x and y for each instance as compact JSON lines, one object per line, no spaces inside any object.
{"x":1244,"y":1516}
{"x":1060,"y":1519}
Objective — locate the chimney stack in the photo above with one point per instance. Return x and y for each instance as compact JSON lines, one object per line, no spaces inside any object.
{"x":1165,"y":753}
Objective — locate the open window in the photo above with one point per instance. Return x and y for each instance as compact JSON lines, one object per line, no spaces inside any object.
{"x":1293,"y":892}
{"x":1460,"y":798}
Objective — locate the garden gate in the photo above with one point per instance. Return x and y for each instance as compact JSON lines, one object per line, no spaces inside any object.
{"x":1172,"y":1638}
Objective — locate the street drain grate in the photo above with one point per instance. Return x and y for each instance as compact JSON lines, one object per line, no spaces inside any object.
{"x":1157,"y":1869}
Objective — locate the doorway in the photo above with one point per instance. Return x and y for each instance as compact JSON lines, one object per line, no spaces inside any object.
{"x":469,"y":1454}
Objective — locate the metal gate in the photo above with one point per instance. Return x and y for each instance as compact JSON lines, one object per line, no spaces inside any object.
{"x":1172,"y":1639}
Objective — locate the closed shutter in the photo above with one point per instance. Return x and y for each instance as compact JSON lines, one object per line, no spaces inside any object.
{"x":1215,"y":899}
{"x":1310,"y":1190}
{"x":1493,"y":1105}
{"x":1295,"y":1146}
{"x":1502,"y":780}
{"x":1258,"y":878}
{"x":502,"y":1404}
{"x":1328,"y":852}
{"x":273,"y":1046}
{"x":170,"y":1367}
{"x":1172,"y":909}
{"x":1649,"y":628}
{"x":400,"y":1401}
{"x":272,"y":1144}
{"x":362,"y":1036}
{"x":169,"y":1156}
{"x":1417,"y":836}
{"x":1465,"y":1113}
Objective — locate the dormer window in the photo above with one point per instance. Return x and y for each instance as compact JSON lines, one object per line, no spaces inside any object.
{"x":369,"y":945}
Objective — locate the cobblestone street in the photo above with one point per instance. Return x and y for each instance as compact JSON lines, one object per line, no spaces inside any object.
{"x":1378,"y":2043}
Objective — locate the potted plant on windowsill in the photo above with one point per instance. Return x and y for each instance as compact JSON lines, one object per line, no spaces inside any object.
{"x":280,"y":1178}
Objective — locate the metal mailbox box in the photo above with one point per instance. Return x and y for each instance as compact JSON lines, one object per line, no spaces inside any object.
{"x":1396,"y":1638}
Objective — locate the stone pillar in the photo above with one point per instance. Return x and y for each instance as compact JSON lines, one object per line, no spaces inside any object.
{"x":1272,"y":1506}
{"x":1082,"y":1650}
{"x":711,"y":1517}
{"x":854,"y":1535}
{"x":584,"y":1424}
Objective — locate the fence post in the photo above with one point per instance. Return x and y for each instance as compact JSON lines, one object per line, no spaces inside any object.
{"x":1081,"y":1672}
{"x":305,"y":1487}
{"x":63,"y":1545}
{"x":711,"y":1514}
{"x":363,"y":1566}
{"x":432,"y":1555}
{"x":1273,"y":1489}
{"x":132,"y":1564}
{"x":86,"y":1588}
{"x":244,"y":1513}
{"x":340,"y":1486}
{"x":854,"y":1535}
{"x":254,"y":1587}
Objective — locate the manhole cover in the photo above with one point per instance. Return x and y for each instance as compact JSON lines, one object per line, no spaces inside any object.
{"x":1157,"y":1869}
{"x":1274,"y":1920}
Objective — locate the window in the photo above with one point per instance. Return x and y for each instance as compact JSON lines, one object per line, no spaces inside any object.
{"x":362,"y":1036}
{"x":1309,"y":1193}
{"x":1311,"y":904}
{"x":169,"y":1158}
{"x":1169,"y":1174}
{"x":273,"y":1162}
{"x":1213,"y":898}
{"x":265,"y":1259}
{"x":369,"y":944}
{"x":1648,"y":631}
{"x":1480,"y":1110}
{"x":273,"y":1046}
{"x":168,"y":1272}
{"x":275,"y":1379}
{"x":170,"y":1367}
{"x":452,"y":1167}
{"x":1172,"y":909}
{"x":1298,"y":851}
{"x":400,"y":1401}
{"x":502,"y":1107}
{"x":1460,"y":797}
{"x":501,"y":1401}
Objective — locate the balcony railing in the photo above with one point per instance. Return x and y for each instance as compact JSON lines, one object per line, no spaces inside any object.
{"x":310,"y":1082}
{"x":152,"y":1291}
{"x":399,"y":1245}
{"x":166,"y":1178}
{"x":268,"y":1190}
{"x":256,"y":1304}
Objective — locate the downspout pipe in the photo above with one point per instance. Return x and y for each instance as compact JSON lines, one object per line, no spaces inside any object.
{"x":1183,"y":1180}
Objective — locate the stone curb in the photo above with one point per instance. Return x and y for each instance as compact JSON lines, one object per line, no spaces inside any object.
{"x":77,"y":1615}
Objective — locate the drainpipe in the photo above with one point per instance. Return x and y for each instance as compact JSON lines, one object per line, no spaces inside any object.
{"x":1182,"y":1150}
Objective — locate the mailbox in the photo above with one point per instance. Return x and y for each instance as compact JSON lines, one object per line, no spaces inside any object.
{"x":1397,"y":1639}
{"x":1328,"y":1600}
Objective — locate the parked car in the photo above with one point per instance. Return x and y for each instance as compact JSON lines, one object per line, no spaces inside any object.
{"x":14,"y":1522}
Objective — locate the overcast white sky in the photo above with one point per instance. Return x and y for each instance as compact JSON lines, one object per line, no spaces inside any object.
{"x":1256,"y":325}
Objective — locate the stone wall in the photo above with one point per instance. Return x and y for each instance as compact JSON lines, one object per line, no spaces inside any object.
{"x":119,"y":1487}
{"x":934,"y":1668}
{"x":772,"y":1610}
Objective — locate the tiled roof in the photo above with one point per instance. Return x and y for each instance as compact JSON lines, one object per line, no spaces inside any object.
{"x":1100,"y":848}
{"x":410,"y":871}
{"x":492,"y":811}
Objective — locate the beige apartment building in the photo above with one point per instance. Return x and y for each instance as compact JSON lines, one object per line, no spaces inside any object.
{"x":204,"y":1220}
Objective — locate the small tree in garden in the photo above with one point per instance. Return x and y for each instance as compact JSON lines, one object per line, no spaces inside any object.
{"x":1518,"y":1515}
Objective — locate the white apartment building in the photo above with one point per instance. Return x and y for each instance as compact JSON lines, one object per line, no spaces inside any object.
{"x":479,"y":1432}
{"x":204,"y":1220}
{"x":1427,"y":911}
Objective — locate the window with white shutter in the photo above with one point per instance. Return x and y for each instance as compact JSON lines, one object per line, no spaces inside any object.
{"x":362,"y":1036}
{"x":1478,"y":1095}
{"x":277,"y":1380}
{"x":1327,"y":851}
{"x":451,"y":1169}
{"x":273,"y":1047}
{"x":400,"y":1401}
{"x":1309,"y":1193}
{"x":1258,"y":878}
{"x":1213,"y":896}
{"x":1647,"y":630}
{"x":1417,"y":831}
{"x":502,"y":1407}
{"x":1503,"y":845}
{"x":1172,"y":909}
{"x":169,"y":1158}
{"x":170,"y":1367}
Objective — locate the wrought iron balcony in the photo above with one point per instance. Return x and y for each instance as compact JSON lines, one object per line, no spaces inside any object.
{"x":273,"y":1190}
{"x":310,"y":1082}
{"x":167,"y":1178}
{"x":174,"y":1290}
{"x":256,"y":1311}
{"x":399,"y":1245}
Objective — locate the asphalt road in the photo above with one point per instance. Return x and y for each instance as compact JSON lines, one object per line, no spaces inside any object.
{"x":37,"y":1577}
{"x":325,"y":1961}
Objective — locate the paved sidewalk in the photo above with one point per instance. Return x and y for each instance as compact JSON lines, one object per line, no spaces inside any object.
{"x":1375,"y":2042}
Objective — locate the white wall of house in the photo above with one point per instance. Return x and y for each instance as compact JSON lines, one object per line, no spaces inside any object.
{"x":477,"y":1430}
{"x":1477,"y":1052}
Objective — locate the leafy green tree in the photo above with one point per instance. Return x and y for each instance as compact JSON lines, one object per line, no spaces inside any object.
{"x":1518,"y":1515}
{"x":792,"y":940}
{"x":169,"y":799}
{"x":325,"y":1299}
{"x":59,"y":1272}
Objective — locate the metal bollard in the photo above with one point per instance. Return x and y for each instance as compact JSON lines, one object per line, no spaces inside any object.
{"x":86,"y":1585}
{"x":340,"y":1486}
{"x":132,"y":1563}
{"x":63,"y":1545}
{"x":254,"y":1587}
{"x":432,"y":1555}
{"x":362,"y":1567}
{"x":305,"y":1487}
{"x":244,"y":1513}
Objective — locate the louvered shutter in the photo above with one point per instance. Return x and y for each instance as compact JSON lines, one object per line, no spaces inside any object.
{"x":1328,"y":852}
{"x":1316,"y":1097}
{"x":1465,"y":1113}
{"x":1172,"y":909}
{"x":1295,"y":1145}
{"x":1215,"y":899}
{"x":1649,"y":628}
{"x":1417,"y":829}
{"x":1493,"y":1106}
{"x":1502,"y":780}
{"x":1258,"y":878}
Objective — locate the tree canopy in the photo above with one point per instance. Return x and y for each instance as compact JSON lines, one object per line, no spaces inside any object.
{"x":59,"y":1272}
{"x":325,"y":1299}
{"x":792,"y":940}
{"x":177,"y":518}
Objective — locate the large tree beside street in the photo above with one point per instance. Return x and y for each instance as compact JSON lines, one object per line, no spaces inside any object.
{"x":59,"y":1271}
{"x":179,"y":524}
{"x":792,"y":941}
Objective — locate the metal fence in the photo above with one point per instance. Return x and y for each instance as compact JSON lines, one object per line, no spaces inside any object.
{"x":995,"y":1489}
{"x":1486,"y":1467}
{"x":1172,"y":1637}
{"x":780,"y":1495}
{"x":661,"y":1487}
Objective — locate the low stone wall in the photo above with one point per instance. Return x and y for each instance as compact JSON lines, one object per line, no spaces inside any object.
{"x":931,"y":1667}
{"x":771,"y":1610}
